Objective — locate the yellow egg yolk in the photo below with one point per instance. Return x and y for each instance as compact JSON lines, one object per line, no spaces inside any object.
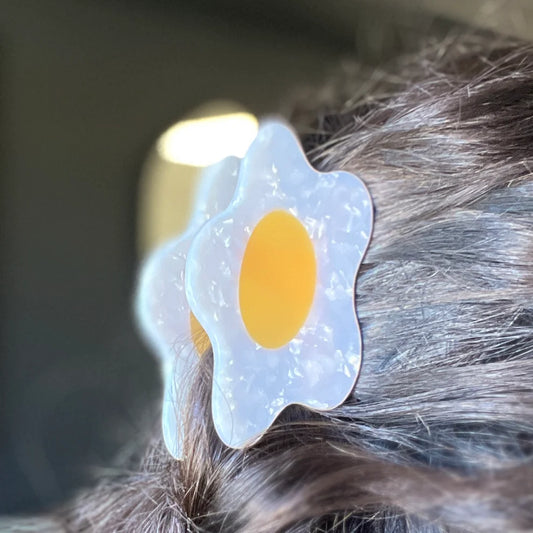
{"x":277,"y":280}
{"x":198,"y":334}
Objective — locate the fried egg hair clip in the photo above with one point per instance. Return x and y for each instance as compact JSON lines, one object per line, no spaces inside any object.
{"x":162,"y":310}
{"x":271,"y":280}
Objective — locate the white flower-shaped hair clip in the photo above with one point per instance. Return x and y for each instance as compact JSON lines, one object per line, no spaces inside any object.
{"x":272,"y":280}
{"x":162,"y":310}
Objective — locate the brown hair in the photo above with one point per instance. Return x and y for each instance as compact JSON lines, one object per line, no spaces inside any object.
{"x":438,"y":434}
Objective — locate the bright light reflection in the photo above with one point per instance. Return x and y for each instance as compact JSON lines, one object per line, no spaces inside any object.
{"x":204,"y":141}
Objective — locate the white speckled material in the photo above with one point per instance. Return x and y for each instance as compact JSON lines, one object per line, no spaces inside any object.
{"x":319,"y":366}
{"x":162,"y":310}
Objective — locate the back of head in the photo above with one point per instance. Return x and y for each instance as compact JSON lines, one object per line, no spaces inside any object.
{"x":438,"y":433}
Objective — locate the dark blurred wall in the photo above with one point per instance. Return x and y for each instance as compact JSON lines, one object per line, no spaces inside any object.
{"x":86,"y":87}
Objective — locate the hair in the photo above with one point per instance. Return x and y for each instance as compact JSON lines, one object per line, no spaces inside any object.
{"x":438,"y":433}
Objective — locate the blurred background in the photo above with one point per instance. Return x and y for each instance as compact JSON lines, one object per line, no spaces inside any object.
{"x":87,"y":89}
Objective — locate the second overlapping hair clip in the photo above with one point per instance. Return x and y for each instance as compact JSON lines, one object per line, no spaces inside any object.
{"x":265,"y":274}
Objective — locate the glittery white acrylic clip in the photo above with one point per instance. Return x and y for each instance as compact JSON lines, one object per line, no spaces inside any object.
{"x":271,"y":280}
{"x":162,"y":309}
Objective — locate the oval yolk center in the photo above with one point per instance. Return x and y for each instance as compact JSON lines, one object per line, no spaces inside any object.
{"x":277,"y":280}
